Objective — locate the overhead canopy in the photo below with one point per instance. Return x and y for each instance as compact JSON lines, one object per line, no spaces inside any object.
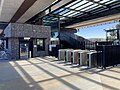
{"x":21,"y":10}
{"x":81,"y":11}
{"x":69,"y":12}
{"x":98,"y":21}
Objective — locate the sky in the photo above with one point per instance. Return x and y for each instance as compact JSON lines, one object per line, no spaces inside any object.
{"x":95,"y":31}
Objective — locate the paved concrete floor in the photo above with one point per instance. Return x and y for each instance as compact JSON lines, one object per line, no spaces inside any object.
{"x":49,"y":74}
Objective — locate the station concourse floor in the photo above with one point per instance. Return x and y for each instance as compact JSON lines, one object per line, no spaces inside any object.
{"x":47,"y":73}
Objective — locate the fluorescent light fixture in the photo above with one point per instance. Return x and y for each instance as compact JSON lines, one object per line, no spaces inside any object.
{"x":26,"y":38}
{"x":96,"y":0}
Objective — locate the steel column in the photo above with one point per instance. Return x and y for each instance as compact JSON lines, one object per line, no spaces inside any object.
{"x":59,"y":29}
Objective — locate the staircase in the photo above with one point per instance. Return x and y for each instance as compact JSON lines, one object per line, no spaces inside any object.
{"x":70,"y":40}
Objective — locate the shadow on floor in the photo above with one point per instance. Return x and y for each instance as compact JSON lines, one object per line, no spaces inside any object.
{"x":19,"y":79}
{"x":11,"y":79}
{"x":81,"y":76}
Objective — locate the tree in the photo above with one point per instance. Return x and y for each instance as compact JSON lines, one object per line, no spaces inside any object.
{"x":118,"y":26}
{"x":113,"y":35}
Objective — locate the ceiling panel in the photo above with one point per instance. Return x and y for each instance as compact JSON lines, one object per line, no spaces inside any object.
{"x":37,"y":7}
{"x":84,"y":10}
{"x":8,"y":8}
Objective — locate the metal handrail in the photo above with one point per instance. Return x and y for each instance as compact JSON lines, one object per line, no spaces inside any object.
{"x":76,"y":40}
{"x":4,"y":54}
{"x":72,"y":41}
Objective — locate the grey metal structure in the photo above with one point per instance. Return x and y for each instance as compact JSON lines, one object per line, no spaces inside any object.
{"x":75,"y":56}
{"x":92,"y":59}
{"x":69,"y":55}
{"x":62,"y":54}
{"x":83,"y":57}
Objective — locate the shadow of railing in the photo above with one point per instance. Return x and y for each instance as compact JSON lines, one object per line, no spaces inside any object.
{"x":56,"y":77}
{"x":18,"y":69}
{"x":11,"y":79}
{"x":104,"y":85}
{"x":118,"y":67}
{"x":28,"y":77}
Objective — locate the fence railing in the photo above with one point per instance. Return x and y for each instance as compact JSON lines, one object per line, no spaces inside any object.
{"x":78,"y":41}
{"x":4,"y":54}
{"x":73,"y":40}
{"x":110,"y":55}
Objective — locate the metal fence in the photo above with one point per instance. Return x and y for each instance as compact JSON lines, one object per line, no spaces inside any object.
{"x":109,"y":55}
{"x":4,"y":55}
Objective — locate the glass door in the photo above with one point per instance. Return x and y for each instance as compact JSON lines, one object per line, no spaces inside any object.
{"x":24,"y":50}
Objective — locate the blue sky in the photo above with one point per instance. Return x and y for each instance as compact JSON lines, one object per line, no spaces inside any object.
{"x":95,"y":31}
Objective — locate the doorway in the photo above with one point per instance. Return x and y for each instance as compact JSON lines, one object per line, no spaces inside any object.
{"x":25,"y":49}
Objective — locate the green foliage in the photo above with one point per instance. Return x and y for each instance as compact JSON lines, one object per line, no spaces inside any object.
{"x":118,"y":26}
{"x":113,"y":35}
